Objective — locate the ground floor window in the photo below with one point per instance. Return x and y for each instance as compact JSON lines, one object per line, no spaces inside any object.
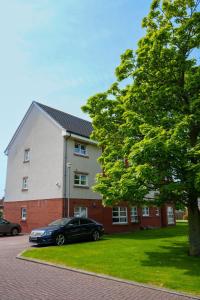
{"x":80,"y":211}
{"x":134,"y":214}
{"x":23,"y":213}
{"x":119,"y":215}
{"x":157,"y":211}
{"x":145,"y":211}
{"x":170,"y":215}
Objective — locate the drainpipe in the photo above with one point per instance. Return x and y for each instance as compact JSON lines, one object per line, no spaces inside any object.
{"x":65,"y":175}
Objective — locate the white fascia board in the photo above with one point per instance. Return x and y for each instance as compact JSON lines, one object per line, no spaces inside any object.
{"x":79,"y":138}
{"x":19,"y":128}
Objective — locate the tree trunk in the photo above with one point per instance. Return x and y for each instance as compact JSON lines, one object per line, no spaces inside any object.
{"x":194,"y":228}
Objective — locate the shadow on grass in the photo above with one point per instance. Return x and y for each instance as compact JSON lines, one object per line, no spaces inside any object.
{"x":147,"y":234}
{"x":174,"y":256}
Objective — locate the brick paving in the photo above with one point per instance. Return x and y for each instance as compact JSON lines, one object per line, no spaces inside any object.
{"x":23,"y":280}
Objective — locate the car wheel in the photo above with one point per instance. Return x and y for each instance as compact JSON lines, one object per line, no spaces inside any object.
{"x":15,"y":231}
{"x":95,"y":235}
{"x":60,"y":240}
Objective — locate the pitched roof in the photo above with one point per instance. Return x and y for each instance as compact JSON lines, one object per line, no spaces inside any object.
{"x":71,"y":123}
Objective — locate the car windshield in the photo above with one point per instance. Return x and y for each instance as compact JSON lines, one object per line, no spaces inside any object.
{"x":60,"y":222}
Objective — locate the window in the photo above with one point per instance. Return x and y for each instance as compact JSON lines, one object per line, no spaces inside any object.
{"x":25,"y":183}
{"x":81,"y":180}
{"x":119,"y":215}
{"x":26,"y":155}
{"x":23,"y":214}
{"x":145,"y":211}
{"x":80,"y":149}
{"x":134,"y":214}
{"x":80,"y":211}
{"x":75,"y":222}
{"x":85,"y":222}
{"x":157,"y":212}
{"x":170,"y":215}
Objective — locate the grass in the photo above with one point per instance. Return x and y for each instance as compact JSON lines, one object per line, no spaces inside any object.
{"x":158,"y":257}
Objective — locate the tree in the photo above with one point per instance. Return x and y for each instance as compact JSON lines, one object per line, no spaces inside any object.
{"x":148,"y":122}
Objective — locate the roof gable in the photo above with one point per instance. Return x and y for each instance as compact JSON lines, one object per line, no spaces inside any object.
{"x":70,"y":123}
{"x":65,"y":121}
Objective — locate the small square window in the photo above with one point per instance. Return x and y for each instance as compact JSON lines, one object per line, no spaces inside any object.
{"x":23,"y":214}
{"x":81,"y":179}
{"x":80,"y":149}
{"x":26,"y":155}
{"x":25,"y":183}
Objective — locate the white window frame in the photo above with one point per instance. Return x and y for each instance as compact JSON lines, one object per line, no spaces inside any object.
{"x":23,"y":213}
{"x":134,"y":214}
{"x":119,"y":216}
{"x":25,"y":183}
{"x":26,"y":155}
{"x":170,"y":215}
{"x":145,"y":211}
{"x":81,"y":149}
{"x":80,"y":179}
{"x":80,"y":211}
{"x":157,"y":211}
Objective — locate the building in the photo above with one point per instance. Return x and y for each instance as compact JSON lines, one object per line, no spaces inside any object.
{"x":51,"y":168}
{"x":1,"y":207}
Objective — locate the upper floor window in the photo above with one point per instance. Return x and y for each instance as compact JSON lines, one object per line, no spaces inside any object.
{"x":80,"y":211}
{"x":81,"y":180}
{"x":145,"y":211}
{"x":80,"y":149}
{"x":26,"y":155}
{"x":25,"y":183}
{"x":134,"y":214}
{"x":119,"y":215}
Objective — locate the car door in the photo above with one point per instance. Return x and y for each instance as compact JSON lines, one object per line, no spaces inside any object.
{"x":4,"y":226}
{"x":73,"y":229}
{"x":86,"y":227}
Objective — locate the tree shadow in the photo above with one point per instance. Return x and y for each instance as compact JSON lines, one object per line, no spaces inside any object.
{"x":174,"y":256}
{"x":149,"y":234}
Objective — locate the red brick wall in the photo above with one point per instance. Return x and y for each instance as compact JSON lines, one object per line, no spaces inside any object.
{"x":42,"y":212}
{"x":39,"y":212}
{"x":104,"y":215}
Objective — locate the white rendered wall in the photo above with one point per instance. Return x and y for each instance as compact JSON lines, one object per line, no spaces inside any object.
{"x":45,"y":169}
{"x":86,"y":165}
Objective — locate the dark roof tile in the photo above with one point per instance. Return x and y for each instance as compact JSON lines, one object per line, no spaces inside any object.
{"x":71,"y":123}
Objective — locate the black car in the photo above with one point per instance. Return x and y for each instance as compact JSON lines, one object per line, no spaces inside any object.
{"x":67,"y":229}
{"x":7,"y":227}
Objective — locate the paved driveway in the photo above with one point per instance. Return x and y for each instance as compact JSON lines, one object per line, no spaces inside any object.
{"x":22,"y":280}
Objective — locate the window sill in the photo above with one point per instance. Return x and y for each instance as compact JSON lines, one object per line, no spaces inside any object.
{"x":81,"y":186}
{"x":120,"y":223}
{"x":81,"y":155}
{"x":26,"y":161}
{"x":24,"y":190}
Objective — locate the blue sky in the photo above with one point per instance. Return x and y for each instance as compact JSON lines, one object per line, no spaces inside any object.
{"x":60,"y":53}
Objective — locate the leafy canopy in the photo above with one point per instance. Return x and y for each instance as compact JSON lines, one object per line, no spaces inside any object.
{"x":149,"y":130}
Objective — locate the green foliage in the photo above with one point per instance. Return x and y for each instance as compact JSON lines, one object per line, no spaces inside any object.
{"x":149,"y":130}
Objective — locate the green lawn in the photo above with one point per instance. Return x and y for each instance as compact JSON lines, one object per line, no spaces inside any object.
{"x":158,"y":257}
